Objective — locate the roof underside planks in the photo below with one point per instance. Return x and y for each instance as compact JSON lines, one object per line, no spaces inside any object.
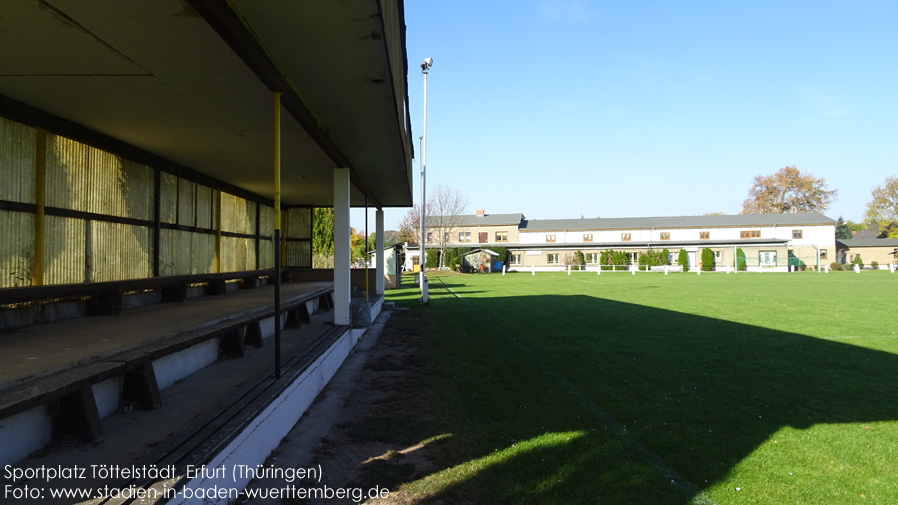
{"x":192,"y":81}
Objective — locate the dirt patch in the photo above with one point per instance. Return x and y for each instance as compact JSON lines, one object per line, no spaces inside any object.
{"x":387,"y":431}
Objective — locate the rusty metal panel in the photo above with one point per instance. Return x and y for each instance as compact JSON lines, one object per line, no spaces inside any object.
{"x":16,"y":249}
{"x":67,"y":173}
{"x":119,"y":251}
{"x":17,"y":161}
{"x":64,"y":250}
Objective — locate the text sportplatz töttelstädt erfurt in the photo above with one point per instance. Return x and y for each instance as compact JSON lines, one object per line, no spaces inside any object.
{"x":219,"y":482}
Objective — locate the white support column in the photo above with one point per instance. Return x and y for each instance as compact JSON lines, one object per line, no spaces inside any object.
{"x":342,"y":251}
{"x":379,"y":251}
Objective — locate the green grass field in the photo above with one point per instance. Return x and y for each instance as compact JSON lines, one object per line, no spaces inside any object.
{"x":729,"y":389}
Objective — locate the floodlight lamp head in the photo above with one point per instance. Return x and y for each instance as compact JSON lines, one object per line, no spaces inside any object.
{"x":427,"y":64}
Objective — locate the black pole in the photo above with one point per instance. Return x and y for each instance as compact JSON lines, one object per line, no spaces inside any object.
{"x":366,"y":249}
{"x":277,"y":303}
{"x":157,"y":219}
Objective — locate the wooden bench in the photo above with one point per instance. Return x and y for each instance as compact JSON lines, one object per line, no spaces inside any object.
{"x":105,"y":298}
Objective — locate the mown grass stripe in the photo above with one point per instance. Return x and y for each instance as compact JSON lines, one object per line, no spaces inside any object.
{"x":675,"y":478}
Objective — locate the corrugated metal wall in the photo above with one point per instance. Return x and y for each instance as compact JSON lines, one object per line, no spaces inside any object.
{"x":100,"y":226}
{"x":64,"y":259}
{"x":266,"y":246}
{"x":17,"y":148}
{"x":184,"y":253}
{"x":16,"y":249}
{"x":299,"y":230}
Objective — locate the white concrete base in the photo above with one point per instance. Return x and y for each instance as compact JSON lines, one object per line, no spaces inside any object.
{"x":107,"y":395}
{"x":174,"y":367}
{"x":25,"y":432}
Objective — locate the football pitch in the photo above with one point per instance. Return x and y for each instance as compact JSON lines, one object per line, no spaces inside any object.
{"x":616,"y":388}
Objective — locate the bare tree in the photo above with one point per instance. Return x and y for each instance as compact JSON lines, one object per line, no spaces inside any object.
{"x":410,"y":225}
{"x":445,"y":208}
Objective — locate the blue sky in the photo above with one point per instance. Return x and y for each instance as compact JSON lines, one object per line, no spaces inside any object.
{"x":563,"y":108}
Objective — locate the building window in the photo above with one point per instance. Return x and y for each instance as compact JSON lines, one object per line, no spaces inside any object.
{"x":671,"y":258}
{"x":464,"y":236}
{"x":430,"y":238}
{"x":587,"y":237}
{"x":633,"y":257}
{"x":446,"y":237}
{"x":718,"y":257}
{"x":592,"y":258}
{"x":501,"y":236}
{"x":796,"y":233}
{"x":550,"y":237}
{"x":665,"y":235}
{"x":552,"y":258}
{"x":767,"y":258}
{"x":515,"y":259}
{"x":823,"y":254}
{"x":704,"y":235}
{"x":625,"y":237}
{"x":750,"y":234}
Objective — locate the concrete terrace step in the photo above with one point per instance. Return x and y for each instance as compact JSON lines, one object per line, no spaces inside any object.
{"x":68,"y":376}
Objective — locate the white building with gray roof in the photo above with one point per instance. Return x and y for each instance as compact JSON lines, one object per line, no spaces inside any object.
{"x":769,"y":242}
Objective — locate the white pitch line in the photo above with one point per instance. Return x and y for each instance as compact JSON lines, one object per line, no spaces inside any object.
{"x":850,"y":337}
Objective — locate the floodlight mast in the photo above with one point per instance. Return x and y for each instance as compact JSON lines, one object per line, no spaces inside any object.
{"x":423,"y":279}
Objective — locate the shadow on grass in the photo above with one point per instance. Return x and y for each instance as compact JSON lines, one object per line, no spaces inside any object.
{"x":649,"y":389}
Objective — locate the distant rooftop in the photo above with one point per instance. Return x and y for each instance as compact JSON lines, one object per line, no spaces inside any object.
{"x":485,"y":219}
{"x":811,"y":218}
{"x":868,"y":242}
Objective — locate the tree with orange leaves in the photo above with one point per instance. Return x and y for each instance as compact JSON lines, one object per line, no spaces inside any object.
{"x":786,"y":190}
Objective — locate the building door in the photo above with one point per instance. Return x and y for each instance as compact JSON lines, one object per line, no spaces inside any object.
{"x":767,"y":258}
{"x":482,"y":237}
{"x":690,"y":256}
